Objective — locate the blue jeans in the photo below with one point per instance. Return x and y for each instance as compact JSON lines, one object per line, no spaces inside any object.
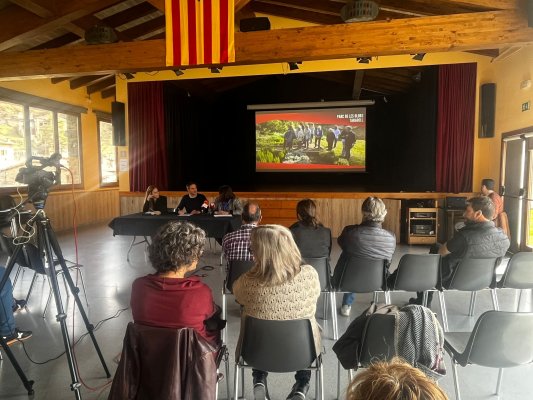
{"x":348,"y":299}
{"x":7,"y":321}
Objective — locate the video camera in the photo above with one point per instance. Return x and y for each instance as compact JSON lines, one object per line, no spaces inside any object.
{"x":39,"y":180}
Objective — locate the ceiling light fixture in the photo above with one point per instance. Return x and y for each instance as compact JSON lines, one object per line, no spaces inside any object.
{"x":293,"y":65}
{"x":178,"y":72}
{"x":216,"y":70}
{"x":129,"y":75}
{"x":418,"y":56}
{"x":359,"y":11}
{"x":364,"y":60}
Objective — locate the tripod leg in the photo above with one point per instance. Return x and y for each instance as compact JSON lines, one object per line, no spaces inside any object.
{"x":52,"y":241}
{"x":27,"y":384}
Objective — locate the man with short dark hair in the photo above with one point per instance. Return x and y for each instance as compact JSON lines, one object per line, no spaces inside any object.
{"x":192,"y":202}
{"x":236,"y":245}
{"x":479,"y":238}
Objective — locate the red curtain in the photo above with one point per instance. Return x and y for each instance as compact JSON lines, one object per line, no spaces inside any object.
{"x":455,"y":127}
{"x":147,"y":138}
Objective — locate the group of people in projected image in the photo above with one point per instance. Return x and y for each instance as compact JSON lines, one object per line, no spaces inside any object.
{"x":305,"y":135}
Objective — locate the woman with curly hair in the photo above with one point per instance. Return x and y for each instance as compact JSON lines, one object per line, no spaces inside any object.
{"x":394,"y":380}
{"x":168,"y":298}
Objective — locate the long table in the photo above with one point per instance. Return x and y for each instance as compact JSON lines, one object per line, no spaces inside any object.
{"x":147,"y":225}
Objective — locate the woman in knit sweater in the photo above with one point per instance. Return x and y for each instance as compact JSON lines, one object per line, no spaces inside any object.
{"x":279,"y":287}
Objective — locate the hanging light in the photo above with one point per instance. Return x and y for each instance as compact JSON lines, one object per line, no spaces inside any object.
{"x":359,"y":11}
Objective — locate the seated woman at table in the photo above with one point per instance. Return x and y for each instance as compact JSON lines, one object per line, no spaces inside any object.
{"x":168,"y":298}
{"x":227,"y":203}
{"x":154,"y":202}
{"x":312,"y":238}
{"x":278,"y":287}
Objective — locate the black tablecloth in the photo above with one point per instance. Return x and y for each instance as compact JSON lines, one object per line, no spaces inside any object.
{"x":147,"y":225}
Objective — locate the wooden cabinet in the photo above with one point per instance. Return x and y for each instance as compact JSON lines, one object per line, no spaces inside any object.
{"x":422,"y":225}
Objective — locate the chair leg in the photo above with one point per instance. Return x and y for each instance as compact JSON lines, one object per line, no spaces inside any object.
{"x":387,"y":297}
{"x":494,"y":300}
{"x":224,"y":315}
{"x":317,"y":389}
{"x":31,"y":286}
{"x":129,"y":249}
{"x":456,"y":381}
{"x":520,"y":291}
{"x":472,"y":304}
{"x":228,"y":388}
{"x":325,"y":305}
{"x":443,"y":311}
{"x":333,"y":302}
{"x":338,"y":380}
{"x":321,"y":374}
{"x":425,"y":298}
{"x":236,"y":383}
{"x":376,"y":297}
{"x":499,"y":383}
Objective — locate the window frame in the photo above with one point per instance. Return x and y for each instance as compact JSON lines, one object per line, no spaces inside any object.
{"x":105,"y":117}
{"x":27,"y":101}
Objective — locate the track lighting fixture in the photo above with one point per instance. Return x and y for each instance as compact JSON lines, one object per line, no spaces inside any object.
{"x":293,"y":66}
{"x":129,"y":75}
{"x":178,"y":72}
{"x":364,"y":60}
{"x":216,"y":70}
{"x":418,"y":56}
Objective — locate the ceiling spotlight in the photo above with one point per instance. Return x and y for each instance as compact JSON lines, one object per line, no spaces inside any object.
{"x":129,"y":75}
{"x":417,"y":77}
{"x":418,"y":56}
{"x":216,"y":70}
{"x":293,"y":66}
{"x":364,"y":60}
{"x":178,"y":72}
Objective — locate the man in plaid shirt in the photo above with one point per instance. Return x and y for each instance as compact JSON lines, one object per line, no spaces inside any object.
{"x":236,"y":245}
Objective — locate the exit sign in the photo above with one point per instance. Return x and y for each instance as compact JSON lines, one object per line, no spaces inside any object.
{"x":526,"y":106}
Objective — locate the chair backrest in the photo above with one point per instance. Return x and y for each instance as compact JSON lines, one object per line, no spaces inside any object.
{"x":378,"y":339}
{"x":501,"y":339}
{"x":519,"y":272}
{"x":362,"y":275}
{"x":236,"y":269}
{"x":6,"y":203}
{"x":278,"y":346}
{"x":417,"y":272}
{"x":321,"y":264}
{"x":165,"y":363}
{"x":473,"y":274}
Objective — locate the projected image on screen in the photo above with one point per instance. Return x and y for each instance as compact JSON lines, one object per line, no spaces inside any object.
{"x":311,"y":140}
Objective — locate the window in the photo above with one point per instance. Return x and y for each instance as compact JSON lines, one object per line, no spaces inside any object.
{"x":28,"y":129}
{"x":108,"y":153}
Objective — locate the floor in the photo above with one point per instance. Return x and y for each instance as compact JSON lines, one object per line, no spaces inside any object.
{"x":108,"y":278}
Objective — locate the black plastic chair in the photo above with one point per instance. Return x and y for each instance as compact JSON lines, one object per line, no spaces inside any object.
{"x":235,"y":269}
{"x":377,"y":344}
{"x":472,"y":275}
{"x":518,"y":275}
{"x":417,"y":273}
{"x":361,"y":275}
{"x":321,"y":264}
{"x":499,"y":340}
{"x":278,"y":346}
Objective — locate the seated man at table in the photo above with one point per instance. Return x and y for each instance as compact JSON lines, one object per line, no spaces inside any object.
{"x":236,"y":245}
{"x":479,"y":238}
{"x":366,"y":240}
{"x":192,"y":202}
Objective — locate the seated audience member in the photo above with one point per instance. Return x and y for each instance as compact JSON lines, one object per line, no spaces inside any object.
{"x":236,"y":245}
{"x":478,"y":238}
{"x":311,"y":237}
{"x":487,"y":189}
{"x":168,"y":298}
{"x":279,"y":287}
{"x":154,"y":202}
{"x":366,"y":240}
{"x":192,"y":202}
{"x":394,"y":380}
{"x":227,"y":203}
{"x":9,"y":332}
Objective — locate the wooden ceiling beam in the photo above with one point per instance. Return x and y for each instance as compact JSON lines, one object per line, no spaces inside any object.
{"x":33,"y":7}
{"x":294,"y":13}
{"x":86,"y":80}
{"x":111,"y":92}
{"x":460,"y":32}
{"x":19,"y":24}
{"x":159,"y":4}
{"x":123,"y":17}
{"x":240,"y":4}
{"x":146,"y":27}
{"x":102,"y":85}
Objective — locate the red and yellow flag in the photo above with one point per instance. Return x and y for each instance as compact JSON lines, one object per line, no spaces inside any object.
{"x":199,"y":32}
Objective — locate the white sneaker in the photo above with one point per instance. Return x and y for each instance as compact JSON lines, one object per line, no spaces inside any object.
{"x":345,"y":310}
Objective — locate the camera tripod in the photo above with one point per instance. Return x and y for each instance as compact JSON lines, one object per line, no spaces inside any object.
{"x":49,"y":246}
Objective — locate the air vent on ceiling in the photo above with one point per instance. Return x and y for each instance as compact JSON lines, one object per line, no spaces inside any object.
{"x":100,"y":34}
{"x":359,"y":11}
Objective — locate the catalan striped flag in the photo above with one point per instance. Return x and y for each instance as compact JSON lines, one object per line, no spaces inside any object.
{"x":199,"y":32}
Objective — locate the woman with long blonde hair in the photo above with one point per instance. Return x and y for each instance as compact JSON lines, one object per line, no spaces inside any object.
{"x":279,"y":287}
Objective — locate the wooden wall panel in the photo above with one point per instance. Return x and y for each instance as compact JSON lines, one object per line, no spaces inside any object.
{"x":335,"y":211}
{"x":90,"y":206}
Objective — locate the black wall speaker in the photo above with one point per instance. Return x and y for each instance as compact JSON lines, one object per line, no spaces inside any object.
{"x":254,"y":24}
{"x":487,"y":109}
{"x":118,"y":118}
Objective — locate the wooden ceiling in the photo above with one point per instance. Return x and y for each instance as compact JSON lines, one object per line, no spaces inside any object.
{"x":46,"y":38}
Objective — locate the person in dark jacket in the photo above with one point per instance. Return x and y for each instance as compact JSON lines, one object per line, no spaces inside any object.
{"x":478,"y":238}
{"x":367,"y":240}
{"x":154,"y":202}
{"x":312,"y":238}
